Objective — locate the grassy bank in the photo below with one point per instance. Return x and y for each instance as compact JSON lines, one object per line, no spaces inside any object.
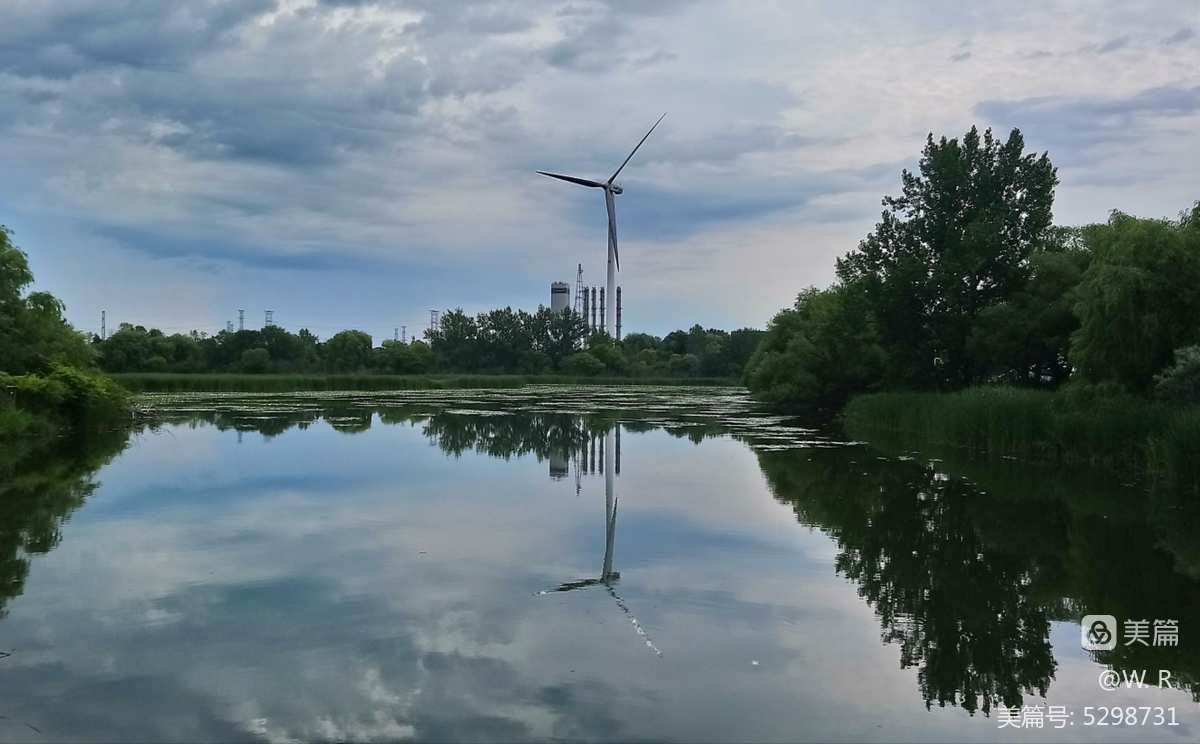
{"x":37,"y":408}
{"x":235,"y":383}
{"x":1132,"y":437}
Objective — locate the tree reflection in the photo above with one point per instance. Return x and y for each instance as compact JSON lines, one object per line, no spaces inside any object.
{"x":966,"y":575}
{"x":964,"y":613}
{"x":38,"y":491}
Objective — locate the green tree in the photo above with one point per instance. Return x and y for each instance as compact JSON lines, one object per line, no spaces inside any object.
{"x":563,"y":335}
{"x":956,"y":241}
{"x":1025,"y":338}
{"x":256,"y":361}
{"x":455,"y":341}
{"x":633,"y":343}
{"x":1181,"y":381}
{"x":348,"y":351}
{"x":605,"y":349}
{"x":583,"y":364}
{"x":818,"y":353}
{"x":400,"y":358}
{"x":33,"y":333}
{"x":1139,"y":299}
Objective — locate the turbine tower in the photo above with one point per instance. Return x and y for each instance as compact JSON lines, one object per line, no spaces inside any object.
{"x":611,"y":189}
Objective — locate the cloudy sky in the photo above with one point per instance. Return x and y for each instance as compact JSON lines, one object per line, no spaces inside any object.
{"x":353,"y":163}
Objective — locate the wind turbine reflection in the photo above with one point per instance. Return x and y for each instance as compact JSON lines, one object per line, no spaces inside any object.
{"x":610,"y":458}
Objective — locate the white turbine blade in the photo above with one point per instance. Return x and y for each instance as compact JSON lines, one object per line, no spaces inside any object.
{"x":611,"y":202}
{"x":573,"y":179}
{"x":635,"y":149}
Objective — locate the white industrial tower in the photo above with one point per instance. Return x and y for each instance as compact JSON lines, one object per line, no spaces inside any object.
{"x":560,"y":297}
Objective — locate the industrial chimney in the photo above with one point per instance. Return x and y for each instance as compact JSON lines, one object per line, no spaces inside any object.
{"x":618,"y":325}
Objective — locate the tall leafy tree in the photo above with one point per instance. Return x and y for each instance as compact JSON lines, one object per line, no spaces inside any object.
{"x":954,"y":242}
{"x":1139,"y":299}
{"x":1025,"y":338}
{"x":33,"y":332}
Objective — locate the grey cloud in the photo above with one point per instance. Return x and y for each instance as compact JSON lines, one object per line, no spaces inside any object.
{"x":1113,"y":45}
{"x":590,"y":48}
{"x":1183,"y":34}
{"x":63,"y":39}
{"x":494,"y":18}
{"x":600,"y":36}
{"x":299,"y":116}
{"x":1070,"y":125}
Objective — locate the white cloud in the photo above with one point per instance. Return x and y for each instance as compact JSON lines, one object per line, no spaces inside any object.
{"x":400,"y":138}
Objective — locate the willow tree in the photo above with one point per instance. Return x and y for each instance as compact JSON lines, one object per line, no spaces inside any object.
{"x":1139,"y":299}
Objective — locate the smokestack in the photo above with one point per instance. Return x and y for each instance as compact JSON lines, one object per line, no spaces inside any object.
{"x":618,"y":426}
{"x":595,"y":302}
{"x":618,"y":320}
{"x":602,"y":315}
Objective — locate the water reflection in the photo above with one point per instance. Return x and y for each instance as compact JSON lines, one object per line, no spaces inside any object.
{"x":38,"y":491}
{"x":434,"y":602}
{"x":966,"y":575}
{"x":610,"y":467}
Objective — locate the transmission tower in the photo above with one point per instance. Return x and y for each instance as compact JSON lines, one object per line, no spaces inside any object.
{"x":269,"y":319}
{"x":579,"y":300}
{"x":433,"y":320}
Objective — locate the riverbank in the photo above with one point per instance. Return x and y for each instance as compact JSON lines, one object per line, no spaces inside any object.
{"x":1133,"y":438}
{"x":36,"y":409}
{"x":247,"y":383}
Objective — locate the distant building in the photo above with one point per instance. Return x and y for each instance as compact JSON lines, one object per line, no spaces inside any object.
{"x":560,"y":297}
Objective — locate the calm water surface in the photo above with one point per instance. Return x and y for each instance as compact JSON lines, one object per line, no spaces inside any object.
{"x":568,"y":564}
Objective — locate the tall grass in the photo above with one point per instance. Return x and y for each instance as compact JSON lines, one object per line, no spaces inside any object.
{"x":245,"y":383}
{"x":1131,"y":436}
{"x":1174,"y":453}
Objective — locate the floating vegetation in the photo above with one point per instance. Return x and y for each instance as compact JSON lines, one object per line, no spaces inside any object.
{"x":694,"y":413}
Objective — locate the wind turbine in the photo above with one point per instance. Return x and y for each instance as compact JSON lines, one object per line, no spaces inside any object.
{"x":611,"y":189}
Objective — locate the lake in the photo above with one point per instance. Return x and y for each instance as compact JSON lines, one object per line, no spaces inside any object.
{"x":603,"y":563}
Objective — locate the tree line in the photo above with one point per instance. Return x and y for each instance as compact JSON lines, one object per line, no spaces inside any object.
{"x":501,"y":341}
{"x":965,"y":280}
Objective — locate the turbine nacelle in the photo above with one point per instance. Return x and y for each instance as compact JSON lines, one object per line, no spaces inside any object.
{"x":615,"y":188}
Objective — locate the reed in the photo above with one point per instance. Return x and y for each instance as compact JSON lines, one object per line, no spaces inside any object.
{"x":1132,"y":436}
{"x":239,"y":383}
